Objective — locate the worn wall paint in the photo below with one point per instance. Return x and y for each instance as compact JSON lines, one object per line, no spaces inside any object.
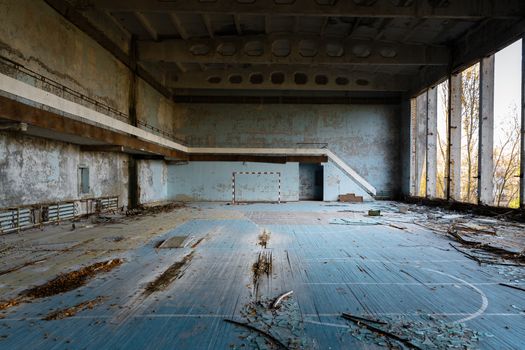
{"x":152,"y":181}
{"x":365,"y":136}
{"x":336,"y":182}
{"x":212,"y":181}
{"x":35,"y":170}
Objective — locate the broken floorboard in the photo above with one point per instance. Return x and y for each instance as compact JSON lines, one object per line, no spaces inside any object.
{"x":378,"y":272}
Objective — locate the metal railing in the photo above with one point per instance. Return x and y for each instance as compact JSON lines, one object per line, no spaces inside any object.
{"x":17,"y":71}
{"x":16,"y":219}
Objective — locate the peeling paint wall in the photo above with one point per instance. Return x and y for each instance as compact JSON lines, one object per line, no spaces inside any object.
{"x":152,"y":180}
{"x":35,"y":170}
{"x":366,"y":137}
{"x":212,"y":181}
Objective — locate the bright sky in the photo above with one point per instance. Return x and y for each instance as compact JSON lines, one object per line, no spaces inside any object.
{"x":507,"y":88}
{"x":507,"y":83}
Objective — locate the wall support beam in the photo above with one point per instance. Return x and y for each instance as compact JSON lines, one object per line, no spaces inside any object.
{"x":522,"y":159}
{"x":486,"y":132}
{"x":471,"y":9}
{"x":432,"y":142}
{"x":421,"y":144}
{"x":454,"y":138}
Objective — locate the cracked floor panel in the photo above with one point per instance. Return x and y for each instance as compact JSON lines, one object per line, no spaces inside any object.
{"x":333,"y":256}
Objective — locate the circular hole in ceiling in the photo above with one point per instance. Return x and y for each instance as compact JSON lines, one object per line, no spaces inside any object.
{"x":341,"y":81}
{"x":388,"y":52}
{"x":321,"y":79}
{"x":277,"y":78}
{"x":254,"y":48}
{"x":300,"y":78}
{"x":235,"y":79}
{"x":307,"y":48}
{"x":199,"y":49}
{"x":214,"y":80}
{"x":334,"y":50}
{"x":256,"y":78}
{"x":281,"y":48}
{"x":226,"y":49}
{"x":361,"y":51}
{"x":362,"y":82}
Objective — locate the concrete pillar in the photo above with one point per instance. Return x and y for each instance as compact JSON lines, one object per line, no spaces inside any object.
{"x":486,"y":132}
{"x":522,"y":164}
{"x":432,"y":97}
{"x":421,"y":143}
{"x":454,"y":137}
{"x":413,"y":150}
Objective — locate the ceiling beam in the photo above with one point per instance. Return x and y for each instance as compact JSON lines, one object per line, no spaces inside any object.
{"x":469,"y":9}
{"x":178,"y":25}
{"x":145,"y":23}
{"x":353,"y":51}
{"x":288,"y":78}
{"x":208,"y":25}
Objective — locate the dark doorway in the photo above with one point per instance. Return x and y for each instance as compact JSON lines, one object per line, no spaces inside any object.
{"x":311,"y":182}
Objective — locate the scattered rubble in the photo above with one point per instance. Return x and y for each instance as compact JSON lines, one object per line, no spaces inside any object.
{"x":264,"y":238}
{"x":71,"y":280}
{"x":274,"y":328}
{"x":72,"y":311}
{"x":428,"y":333}
{"x":149,"y":210}
{"x":262,"y":266}
{"x":63,"y":283}
{"x":168,"y":276}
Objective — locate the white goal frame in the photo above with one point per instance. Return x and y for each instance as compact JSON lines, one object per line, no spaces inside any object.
{"x":235,"y":173}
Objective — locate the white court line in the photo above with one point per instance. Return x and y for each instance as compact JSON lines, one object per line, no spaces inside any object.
{"x":94,"y":317}
{"x":408,"y":283}
{"x":386,"y":261}
{"x":484,"y":300}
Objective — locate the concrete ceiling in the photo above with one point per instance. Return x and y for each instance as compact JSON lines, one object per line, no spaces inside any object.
{"x":304,"y":45}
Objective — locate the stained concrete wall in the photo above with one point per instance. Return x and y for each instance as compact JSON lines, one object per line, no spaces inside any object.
{"x":152,"y":181}
{"x":34,"y":35}
{"x":337,"y":182}
{"x":366,"y":137}
{"x":212,"y":181}
{"x":35,"y":170}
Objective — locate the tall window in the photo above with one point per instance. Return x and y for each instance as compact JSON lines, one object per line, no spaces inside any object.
{"x":507,"y":126}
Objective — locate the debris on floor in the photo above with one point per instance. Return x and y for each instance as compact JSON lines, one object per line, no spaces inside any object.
{"x":71,"y":280}
{"x":373,"y":212}
{"x":149,"y":210}
{"x":72,"y":311}
{"x":277,"y":328}
{"x":262,"y":266}
{"x":350,"y":198}
{"x":429,"y":333}
{"x":264,"y":238}
{"x":168,"y":276}
{"x":63,"y":283}
{"x":357,"y":222}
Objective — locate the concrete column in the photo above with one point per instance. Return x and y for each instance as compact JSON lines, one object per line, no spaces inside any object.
{"x":421,"y":142}
{"x":522,"y":164}
{"x":432,"y":141}
{"x":486,"y":132}
{"x":413,"y":151}
{"x":454,"y":137}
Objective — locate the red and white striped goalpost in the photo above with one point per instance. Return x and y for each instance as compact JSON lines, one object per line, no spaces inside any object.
{"x":278,"y":173}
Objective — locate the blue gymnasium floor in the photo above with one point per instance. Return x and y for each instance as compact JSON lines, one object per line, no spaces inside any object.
{"x":408,"y":277}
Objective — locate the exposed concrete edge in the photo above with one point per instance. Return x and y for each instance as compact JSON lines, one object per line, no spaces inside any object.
{"x":31,"y":93}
